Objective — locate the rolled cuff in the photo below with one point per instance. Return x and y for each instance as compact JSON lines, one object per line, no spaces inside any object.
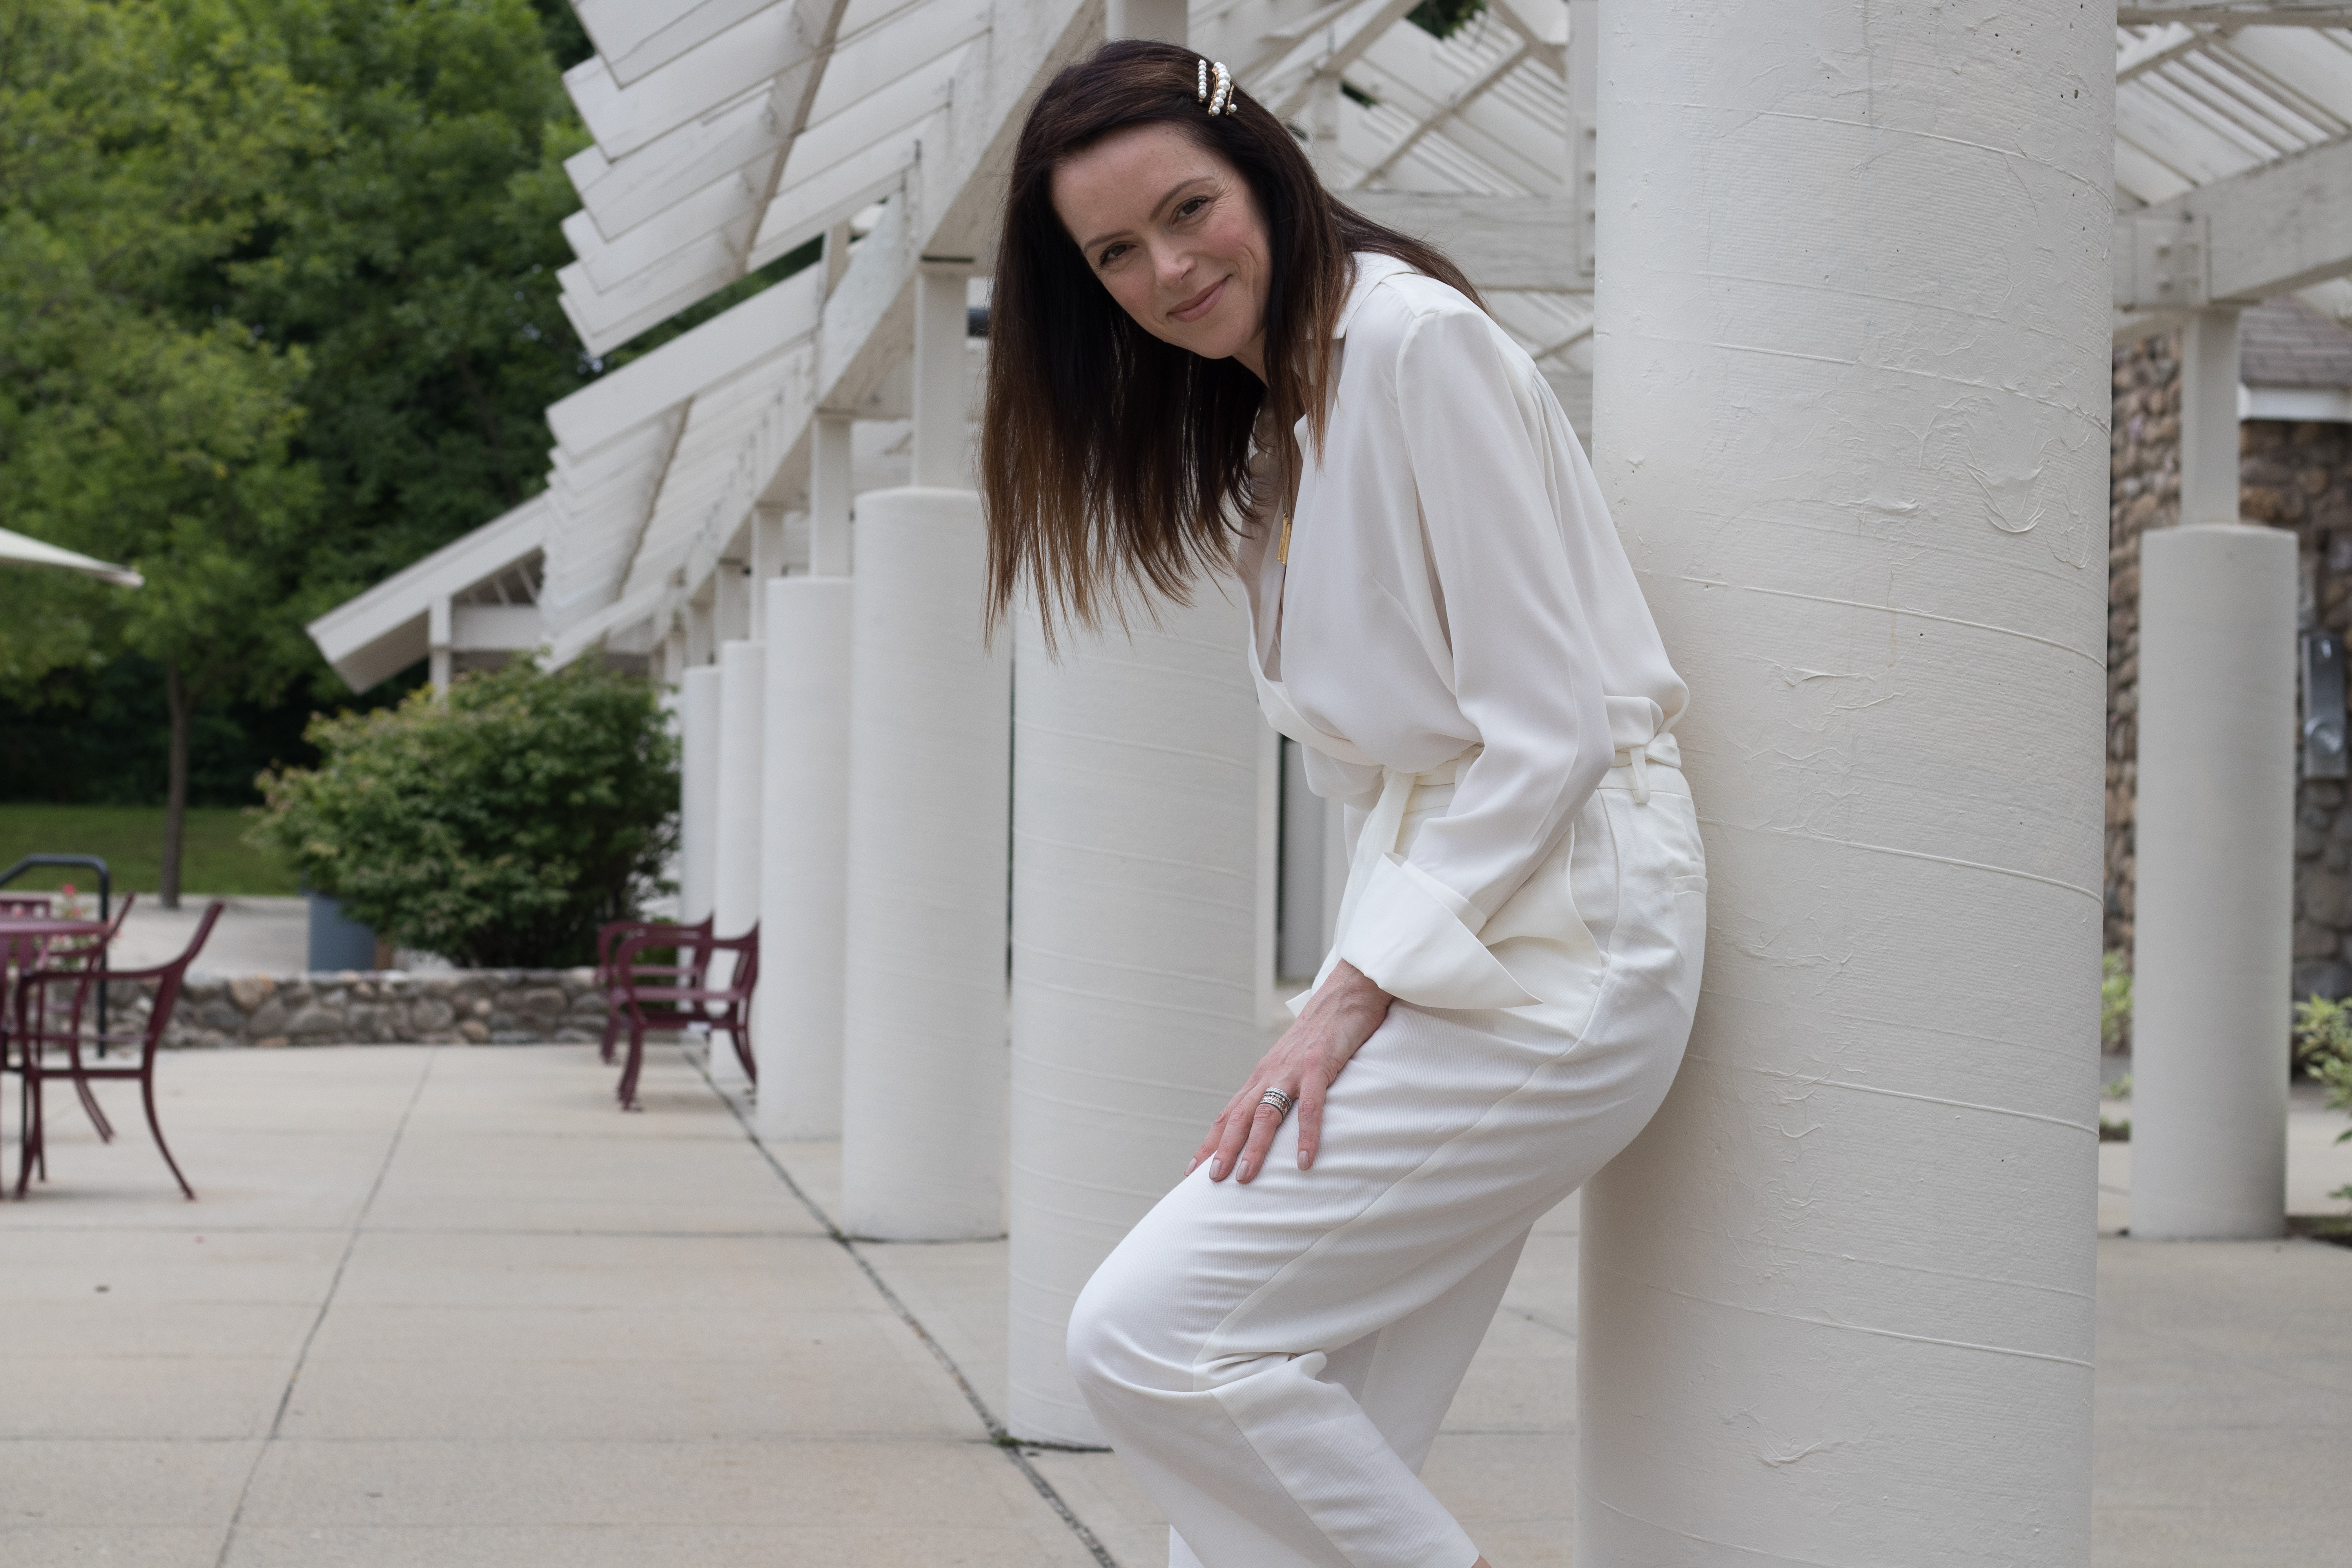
{"x":1411,"y":935}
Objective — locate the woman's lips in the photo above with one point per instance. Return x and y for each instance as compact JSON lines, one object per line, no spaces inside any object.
{"x":1200,"y":304}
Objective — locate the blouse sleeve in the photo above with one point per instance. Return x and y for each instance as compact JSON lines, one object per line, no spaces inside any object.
{"x":1525,"y":672}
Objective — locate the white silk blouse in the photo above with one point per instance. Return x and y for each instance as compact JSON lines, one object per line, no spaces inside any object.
{"x":1454,"y":582}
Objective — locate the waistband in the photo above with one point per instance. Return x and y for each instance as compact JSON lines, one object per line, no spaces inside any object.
{"x":1630,"y":769}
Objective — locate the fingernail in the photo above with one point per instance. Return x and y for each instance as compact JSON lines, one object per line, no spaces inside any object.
{"x":1217,"y":1169}
{"x":1192,"y":1165}
{"x":1242,"y":1170}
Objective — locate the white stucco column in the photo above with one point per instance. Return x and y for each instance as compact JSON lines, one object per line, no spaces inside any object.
{"x":1850,"y":413}
{"x":2214,"y":834}
{"x":805,"y":858}
{"x":2208,"y":418}
{"x":829,"y":494}
{"x":698,"y":819}
{"x":923,"y":1078}
{"x":1136,"y":1008}
{"x":942,"y":436}
{"x":735,"y":876}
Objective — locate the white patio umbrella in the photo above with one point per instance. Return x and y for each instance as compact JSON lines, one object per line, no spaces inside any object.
{"x":22,"y":549}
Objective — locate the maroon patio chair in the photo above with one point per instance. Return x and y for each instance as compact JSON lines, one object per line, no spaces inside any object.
{"x":70,"y":953}
{"x":654,"y":1006}
{"x":55,"y":1021}
{"x":608,"y":981}
{"x":34,"y":904}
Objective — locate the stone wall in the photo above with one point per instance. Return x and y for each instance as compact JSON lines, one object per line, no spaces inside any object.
{"x":2291,"y":476}
{"x":474,"y":1006}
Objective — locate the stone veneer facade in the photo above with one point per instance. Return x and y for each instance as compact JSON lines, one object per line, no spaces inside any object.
{"x":2293,"y":476}
{"x":471,"y":1007}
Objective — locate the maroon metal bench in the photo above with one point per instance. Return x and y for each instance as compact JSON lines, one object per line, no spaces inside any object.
{"x":608,"y":977}
{"x":651,"y":1001}
{"x":56,"y":1035}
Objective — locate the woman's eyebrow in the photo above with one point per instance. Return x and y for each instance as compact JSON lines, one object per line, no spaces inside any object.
{"x":1157,"y":207}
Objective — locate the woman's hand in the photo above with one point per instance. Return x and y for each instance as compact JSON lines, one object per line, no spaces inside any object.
{"x":1345,"y":1011}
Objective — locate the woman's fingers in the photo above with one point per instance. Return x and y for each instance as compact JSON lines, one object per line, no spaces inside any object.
{"x":1310,"y":1120}
{"x":1236,"y":1133}
{"x":1216,"y":1130}
{"x":1262,"y":1128}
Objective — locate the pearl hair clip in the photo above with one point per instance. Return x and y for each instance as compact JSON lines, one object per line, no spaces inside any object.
{"x":1221,"y":101}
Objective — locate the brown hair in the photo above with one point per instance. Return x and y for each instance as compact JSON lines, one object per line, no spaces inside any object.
{"x":1109,"y":459}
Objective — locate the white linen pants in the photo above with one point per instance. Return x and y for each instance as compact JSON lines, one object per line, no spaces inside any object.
{"x":1272,"y":1361}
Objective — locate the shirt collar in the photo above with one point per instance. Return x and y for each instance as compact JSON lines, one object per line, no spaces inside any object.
{"x":1371,"y":270}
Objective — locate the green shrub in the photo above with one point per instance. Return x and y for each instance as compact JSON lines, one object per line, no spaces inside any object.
{"x":498,"y":825}
{"x":2323,"y":1047}
{"x":2115,"y":1001}
{"x":2323,"y":1033}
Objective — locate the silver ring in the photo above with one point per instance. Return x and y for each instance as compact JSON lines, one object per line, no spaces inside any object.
{"x":1278,"y":1099}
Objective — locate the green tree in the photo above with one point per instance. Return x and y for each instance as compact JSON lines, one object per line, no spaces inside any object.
{"x":498,"y":825}
{"x":414,"y":259}
{"x":141,"y":148}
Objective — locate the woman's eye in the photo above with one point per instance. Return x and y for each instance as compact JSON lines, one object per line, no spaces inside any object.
{"x":1191,"y":209}
{"x":1110,"y":253}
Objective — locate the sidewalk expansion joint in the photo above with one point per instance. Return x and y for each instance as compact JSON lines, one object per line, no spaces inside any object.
{"x":1011,"y":1446}
{"x":326,"y":1301}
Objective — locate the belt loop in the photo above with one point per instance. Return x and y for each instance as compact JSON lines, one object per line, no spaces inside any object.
{"x":1640,"y":763}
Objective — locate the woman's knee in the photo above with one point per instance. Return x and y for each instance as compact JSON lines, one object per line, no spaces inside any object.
{"x":1122,"y":1337}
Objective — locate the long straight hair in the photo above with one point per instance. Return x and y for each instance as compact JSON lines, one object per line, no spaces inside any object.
{"x":1110,"y":459}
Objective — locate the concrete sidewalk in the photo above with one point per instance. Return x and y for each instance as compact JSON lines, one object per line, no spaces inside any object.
{"x":451,"y":1308}
{"x":448,"y":1307}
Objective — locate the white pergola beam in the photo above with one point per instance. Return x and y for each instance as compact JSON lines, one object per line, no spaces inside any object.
{"x":2236,"y":13}
{"x":2268,"y":231}
{"x":383,"y":631}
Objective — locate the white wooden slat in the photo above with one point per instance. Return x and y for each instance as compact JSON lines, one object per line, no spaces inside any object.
{"x":727,"y":204}
{"x":701,"y":165}
{"x":898,"y":46}
{"x":2141,"y":53}
{"x":602,"y":500}
{"x":1501,"y":242}
{"x":2270,"y":13}
{"x":725,"y":345}
{"x":2153,"y":117}
{"x":687,"y":272}
{"x":2141,"y":176}
{"x":621,"y":196}
{"x":2240,"y":97}
{"x":804,"y":211}
{"x":635,"y":36}
{"x":1496,"y":130}
{"x":2320,"y":79}
{"x":905,"y":102}
{"x":608,"y":319}
{"x":755,"y":50}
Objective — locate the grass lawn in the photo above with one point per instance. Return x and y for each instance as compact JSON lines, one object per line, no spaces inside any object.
{"x":130,"y":838}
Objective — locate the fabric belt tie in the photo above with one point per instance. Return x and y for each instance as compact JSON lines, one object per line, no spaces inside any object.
{"x":1385,"y":826}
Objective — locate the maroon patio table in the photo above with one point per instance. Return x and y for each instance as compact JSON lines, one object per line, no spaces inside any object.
{"x":24,"y":942}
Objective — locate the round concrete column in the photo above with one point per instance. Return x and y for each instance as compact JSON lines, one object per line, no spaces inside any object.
{"x":1850,"y":415}
{"x":804,"y":861}
{"x":735,"y":876}
{"x":2212,"y":923}
{"x":698,"y":814}
{"x":1135,"y":961}
{"x":923,"y":1078}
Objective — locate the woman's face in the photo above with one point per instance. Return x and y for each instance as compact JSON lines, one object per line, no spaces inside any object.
{"x":1174,"y":233}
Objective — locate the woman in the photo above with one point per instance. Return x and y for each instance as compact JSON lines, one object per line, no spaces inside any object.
{"x":1200,"y":363}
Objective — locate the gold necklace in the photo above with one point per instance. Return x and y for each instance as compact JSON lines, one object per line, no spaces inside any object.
{"x":1281,"y":550}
